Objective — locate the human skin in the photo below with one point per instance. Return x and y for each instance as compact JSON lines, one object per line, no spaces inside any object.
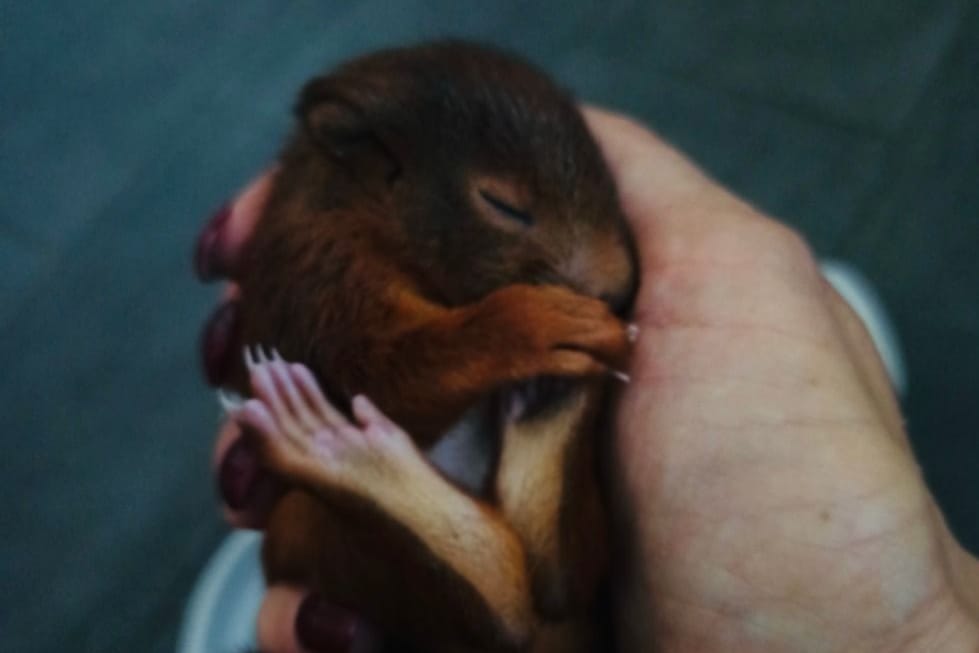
{"x":766,"y":495}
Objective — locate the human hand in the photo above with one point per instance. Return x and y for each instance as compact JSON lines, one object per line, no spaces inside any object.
{"x":767,"y":494}
{"x":291,"y":620}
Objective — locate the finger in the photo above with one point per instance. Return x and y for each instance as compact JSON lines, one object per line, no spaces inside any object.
{"x":668,"y":200}
{"x":683,"y":220}
{"x":368,"y":414}
{"x":609,"y":345}
{"x":292,"y":621}
{"x":276,"y":620}
{"x":231,"y":291}
{"x":248,"y":491}
{"x":255,"y":414}
{"x":221,"y":241}
{"x":220,"y":343}
{"x":263,"y":385}
{"x":575,"y":363}
{"x":648,"y":169}
{"x":310,"y":388}
{"x":286,"y":384}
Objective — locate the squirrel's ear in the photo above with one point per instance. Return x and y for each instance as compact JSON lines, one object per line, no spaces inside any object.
{"x":344,"y":131}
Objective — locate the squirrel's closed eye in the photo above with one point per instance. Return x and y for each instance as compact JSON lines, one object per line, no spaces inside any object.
{"x":507,"y":210}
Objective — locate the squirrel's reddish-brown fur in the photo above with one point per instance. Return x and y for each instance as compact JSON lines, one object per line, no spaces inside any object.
{"x":442,"y":226}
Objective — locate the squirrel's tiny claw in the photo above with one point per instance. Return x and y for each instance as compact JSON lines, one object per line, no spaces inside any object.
{"x":230,"y":402}
{"x":621,"y":376}
{"x":632,"y":333}
{"x":263,"y":357}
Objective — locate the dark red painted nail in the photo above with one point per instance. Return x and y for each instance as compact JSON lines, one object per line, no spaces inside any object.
{"x":220,"y":343}
{"x":207,"y":262}
{"x":239,"y":475}
{"x":324,"y":627}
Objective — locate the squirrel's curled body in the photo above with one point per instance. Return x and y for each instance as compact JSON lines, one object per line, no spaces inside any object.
{"x":442,"y":231}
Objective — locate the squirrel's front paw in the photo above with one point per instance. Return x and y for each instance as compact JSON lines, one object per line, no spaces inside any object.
{"x":558,"y":332}
{"x":304,"y":438}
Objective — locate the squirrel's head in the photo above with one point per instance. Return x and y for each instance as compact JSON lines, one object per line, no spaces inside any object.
{"x":477,"y":162}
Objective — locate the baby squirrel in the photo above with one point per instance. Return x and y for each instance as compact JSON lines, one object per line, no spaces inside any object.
{"x":442,"y":231}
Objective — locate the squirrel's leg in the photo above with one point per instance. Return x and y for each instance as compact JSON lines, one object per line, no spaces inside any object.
{"x":442,"y":562}
{"x":548,"y":491}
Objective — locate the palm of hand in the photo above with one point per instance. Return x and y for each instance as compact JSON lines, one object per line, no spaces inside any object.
{"x":772,"y":499}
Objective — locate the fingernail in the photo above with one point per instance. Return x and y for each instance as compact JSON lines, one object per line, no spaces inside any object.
{"x":206,"y":260}
{"x":238,"y":475}
{"x":219,"y":343}
{"x":324,"y":627}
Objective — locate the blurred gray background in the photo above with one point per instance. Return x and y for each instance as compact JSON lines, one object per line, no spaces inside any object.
{"x":123,"y":125}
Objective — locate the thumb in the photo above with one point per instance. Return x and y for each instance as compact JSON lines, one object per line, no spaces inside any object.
{"x":671,"y":204}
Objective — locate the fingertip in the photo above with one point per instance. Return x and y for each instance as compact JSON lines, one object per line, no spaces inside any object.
{"x":254,"y":514}
{"x":246,"y":210}
{"x":254,"y":414}
{"x":276,"y":628}
{"x":299,"y":369}
{"x":231,"y":291}
{"x":218,"y":342}
{"x":248,"y":206}
{"x":228,"y":434}
{"x":362,"y":401}
{"x":292,"y":620}
{"x":209,"y":255}
{"x":619,"y":135}
{"x":364,"y":410}
{"x":324,"y":626}
{"x":219,"y":247}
